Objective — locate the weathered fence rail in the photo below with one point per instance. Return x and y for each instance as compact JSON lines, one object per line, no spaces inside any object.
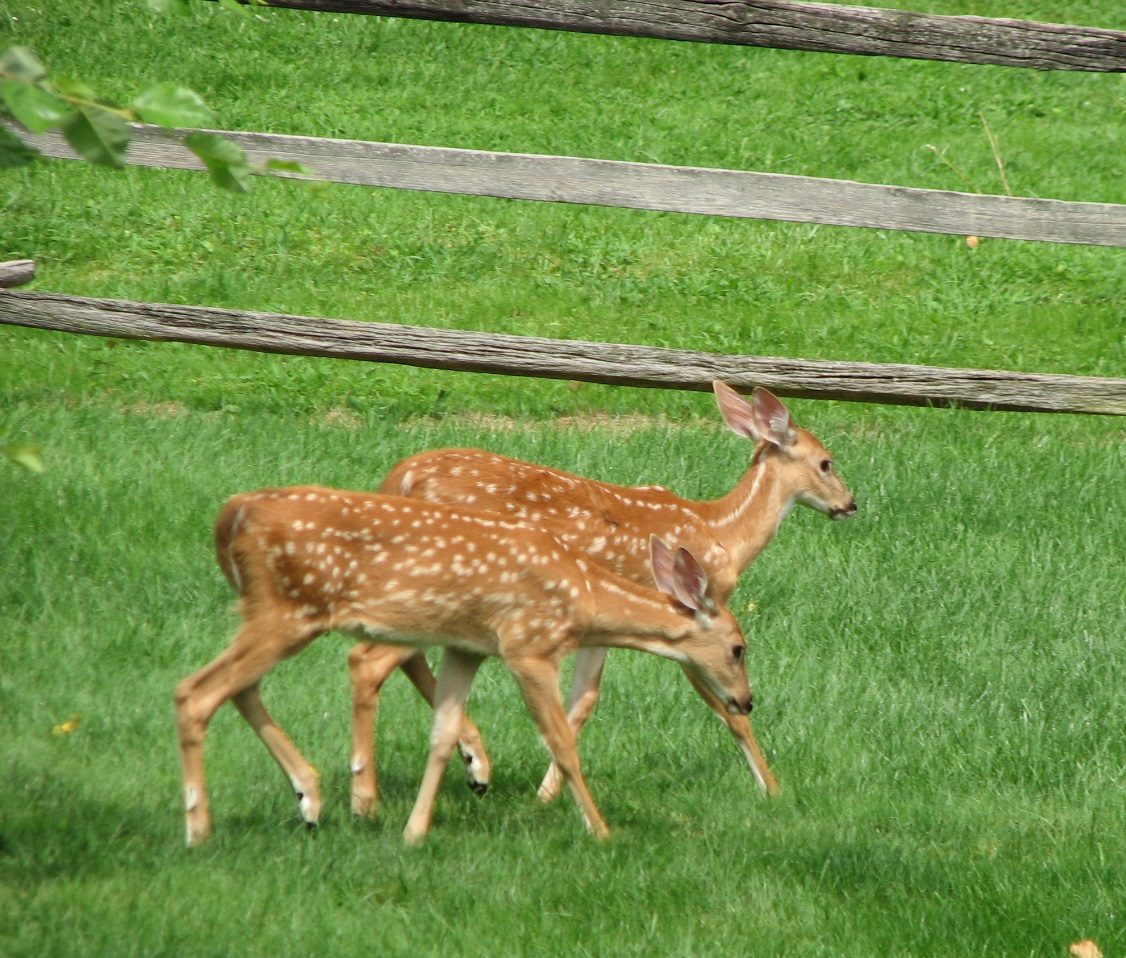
{"x":821,"y":27}
{"x":681,"y":189}
{"x":611,"y":363}
{"x":17,"y":272}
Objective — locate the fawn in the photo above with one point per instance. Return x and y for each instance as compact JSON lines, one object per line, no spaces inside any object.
{"x":308,"y":560}
{"x":612,"y":525}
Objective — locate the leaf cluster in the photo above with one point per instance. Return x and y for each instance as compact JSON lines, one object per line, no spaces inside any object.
{"x":98,"y":130}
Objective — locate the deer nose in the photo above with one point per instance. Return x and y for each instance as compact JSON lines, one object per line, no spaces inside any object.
{"x":735,"y":707}
{"x":844,"y":513}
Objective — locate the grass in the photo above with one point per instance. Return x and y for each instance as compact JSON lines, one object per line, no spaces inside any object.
{"x":937,"y":693}
{"x":566,"y":271}
{"x":937,"y":680}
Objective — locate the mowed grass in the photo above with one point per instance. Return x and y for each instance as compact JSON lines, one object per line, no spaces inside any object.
{"x":558,"y":270}
{"x":938,"y":684}
{"x":938,"y":681}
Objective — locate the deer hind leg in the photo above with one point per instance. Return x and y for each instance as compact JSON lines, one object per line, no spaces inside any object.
{"x":585,"y":689}
{"x":455,"y":676}
{"x":470,"y":745}
{"x":256,"y":648}
{"x":539,"y":684}
{"x":740,"y":728}
{"x":369,"y":666}
{"x":301,"y":775}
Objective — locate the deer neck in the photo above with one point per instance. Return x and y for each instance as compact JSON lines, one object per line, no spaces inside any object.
{"x":747,"y":518}
{"x":629,"y":616}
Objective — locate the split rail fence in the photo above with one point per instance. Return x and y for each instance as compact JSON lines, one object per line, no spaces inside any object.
{"x":691,"y":190}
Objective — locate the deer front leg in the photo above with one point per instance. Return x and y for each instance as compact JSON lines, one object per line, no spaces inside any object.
{"x":455,"y":676}
{"x":740,"y":728}
{"x":470,"y":746}
{"x":585,"y":689}
{"x":539,"y":685}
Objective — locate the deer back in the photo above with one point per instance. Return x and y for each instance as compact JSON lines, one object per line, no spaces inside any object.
{"x":612,"y":524}
{"x":387,"y":566}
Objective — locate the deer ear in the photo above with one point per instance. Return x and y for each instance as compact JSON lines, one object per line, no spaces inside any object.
{"x":763,"y":418}
{"x":679,"y":575}
{"x":692,"y":582}
{"x":736,"y":411}
{"x":772,"y":418}
{"x":661,"y":560}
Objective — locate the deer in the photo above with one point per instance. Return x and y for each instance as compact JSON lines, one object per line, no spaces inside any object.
{"x":307,"y":560}
{"x":612,"y":526}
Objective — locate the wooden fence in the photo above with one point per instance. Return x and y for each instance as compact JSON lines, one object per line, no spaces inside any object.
{"x":819,"y":27}
{"x":646,"y":186}
{"x":612,"y":363}
{"x":792,"y":25}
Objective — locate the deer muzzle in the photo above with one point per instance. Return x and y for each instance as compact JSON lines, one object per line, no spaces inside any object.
{"x":740,"y":707}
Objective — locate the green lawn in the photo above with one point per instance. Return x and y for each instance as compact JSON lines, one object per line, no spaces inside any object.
{"x":938,"y":686}
{"x":938,"y":681}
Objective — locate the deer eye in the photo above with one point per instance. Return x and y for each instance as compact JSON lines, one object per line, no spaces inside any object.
{"x":826,"y":465}
{"x":737,"y":652}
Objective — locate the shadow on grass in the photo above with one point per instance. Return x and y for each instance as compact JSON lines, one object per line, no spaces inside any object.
{"x":54,"y":829}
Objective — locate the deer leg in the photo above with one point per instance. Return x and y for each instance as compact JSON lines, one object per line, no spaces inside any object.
{"x":740,"y":728}
{"x":302,"y":776}
{"x":256,"y":648}
{"x":585,"y":689}
{"x":539,"y":685}
{"x":455,"y":676}
{"x":369,"y":666}
{"x":193,"y":713}
{"x":470,"y":746}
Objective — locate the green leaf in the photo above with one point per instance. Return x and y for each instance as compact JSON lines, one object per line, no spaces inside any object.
{"x":233,"y":5}
{"x":98,"y":136}
{"x":225,"y":161}
{"x":34,"y":107}
{"x":68,"y":86}
{"x":13,"y":151}
{"x":287,"y":166}
{"x":167,"y":104}
{"x":24,"y":454}
{"x":19,"y":63}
